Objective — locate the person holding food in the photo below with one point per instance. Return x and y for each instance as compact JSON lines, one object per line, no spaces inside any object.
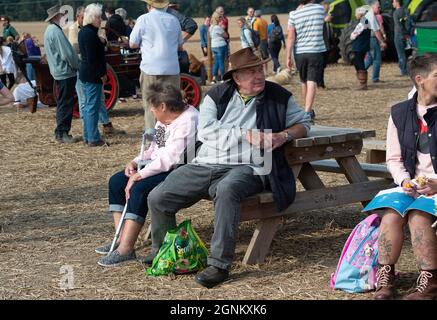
{"x":411,"y":160}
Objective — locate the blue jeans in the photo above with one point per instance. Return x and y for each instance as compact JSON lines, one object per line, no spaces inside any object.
{"x":103,"y":113}
{"x":90,"y":115}
{"x":374,"y":58}
{"x":219,"y":54}
{"x":137,"y":206}
{"x":274,"y":49}
{"x":400,"y":49}
{"x":29,"y":71}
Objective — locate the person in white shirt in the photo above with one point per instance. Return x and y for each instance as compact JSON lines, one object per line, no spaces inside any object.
{"x":8,"y":69}
{"x":159,"y":36}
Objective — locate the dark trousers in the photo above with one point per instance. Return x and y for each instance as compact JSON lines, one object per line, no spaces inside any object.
{"x":274,"y":48}
{"x":226,"y":186}
{"x":358,"y":60}
{"x":11,"y":79}
{"x":64,"y":105}
{"x":137,"y":206}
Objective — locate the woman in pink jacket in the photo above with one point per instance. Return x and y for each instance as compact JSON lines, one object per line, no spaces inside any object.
{"x":175,"y":131}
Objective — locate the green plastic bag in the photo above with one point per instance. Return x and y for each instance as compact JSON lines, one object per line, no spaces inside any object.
{"x":181,"y":252}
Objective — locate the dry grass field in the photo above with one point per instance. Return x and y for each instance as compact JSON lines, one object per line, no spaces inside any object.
{"x":53,"y":202}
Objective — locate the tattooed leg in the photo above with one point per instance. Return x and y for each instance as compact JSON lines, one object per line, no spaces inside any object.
{"x":391,"y":237}
{"x":424,"y":239}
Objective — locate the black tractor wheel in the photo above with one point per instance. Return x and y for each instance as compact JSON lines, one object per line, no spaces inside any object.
{"x":345,"y":44}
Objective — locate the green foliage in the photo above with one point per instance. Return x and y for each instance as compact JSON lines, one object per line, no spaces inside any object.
{"x":35,"y":10}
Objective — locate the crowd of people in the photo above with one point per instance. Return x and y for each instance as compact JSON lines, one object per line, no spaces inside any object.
{"x":240,"y":113}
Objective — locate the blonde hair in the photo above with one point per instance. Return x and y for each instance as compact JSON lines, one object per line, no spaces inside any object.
{"x":361,"y":11}
{"x":92,"y":11}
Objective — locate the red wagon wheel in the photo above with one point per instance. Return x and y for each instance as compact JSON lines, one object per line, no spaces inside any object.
{"x":111,"y":90}
{"x":192,"y":90}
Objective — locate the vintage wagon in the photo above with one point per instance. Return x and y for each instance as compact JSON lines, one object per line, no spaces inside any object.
{"x":122,"y":63}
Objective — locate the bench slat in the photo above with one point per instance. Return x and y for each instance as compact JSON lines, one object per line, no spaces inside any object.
{"x":372,"y":170}
{"x":314,"y":199}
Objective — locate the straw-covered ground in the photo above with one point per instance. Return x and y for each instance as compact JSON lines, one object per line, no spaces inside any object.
{"x":53,"y":201}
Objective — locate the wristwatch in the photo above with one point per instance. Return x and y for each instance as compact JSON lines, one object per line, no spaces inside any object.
{"x":288,"y":136}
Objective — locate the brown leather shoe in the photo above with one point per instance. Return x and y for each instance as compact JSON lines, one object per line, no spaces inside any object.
{"x":109,"y":129}
{"x":426,"y":288}
{"x":385,"y":278}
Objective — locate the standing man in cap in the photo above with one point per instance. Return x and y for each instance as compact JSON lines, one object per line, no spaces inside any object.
{"x":158,"y":33}
{"x":64,"y":64}
{"x":237,"y":117}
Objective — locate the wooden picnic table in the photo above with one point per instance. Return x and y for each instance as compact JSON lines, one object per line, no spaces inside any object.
{"x":340,"y":144}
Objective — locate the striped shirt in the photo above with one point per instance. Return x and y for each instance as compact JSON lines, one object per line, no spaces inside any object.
{"x":308,"y":23}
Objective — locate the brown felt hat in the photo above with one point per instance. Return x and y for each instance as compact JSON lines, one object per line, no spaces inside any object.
{"x":157,"y":3}
{"x":243,"y":59}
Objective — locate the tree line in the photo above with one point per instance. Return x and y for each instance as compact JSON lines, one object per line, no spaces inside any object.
{"x":35,"y":10}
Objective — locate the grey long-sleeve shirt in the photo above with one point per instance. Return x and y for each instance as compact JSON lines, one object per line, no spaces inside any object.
{"x":62,"y":58}
{"x":223,"y":141}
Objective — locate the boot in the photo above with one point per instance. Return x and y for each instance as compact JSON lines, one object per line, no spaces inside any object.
{"x":385,"y":278}
{"x":108,"y":129}
{"x":426,"y":288}
{"x":362,"y":79}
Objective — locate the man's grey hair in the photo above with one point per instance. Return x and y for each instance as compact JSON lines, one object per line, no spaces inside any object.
{"x":121,"y":12}
{"x":372,"y":2}
{"x":257,"y":13}
{"x":80,"y":10}
{"x":92,"y":11}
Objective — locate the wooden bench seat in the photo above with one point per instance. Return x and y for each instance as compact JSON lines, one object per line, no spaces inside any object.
{"x":371,"y":169}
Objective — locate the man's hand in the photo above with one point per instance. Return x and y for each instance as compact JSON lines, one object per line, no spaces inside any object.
{"x":266,"y":141}
{"x":256,"y":138}
{"x":429,"y":189}
{"x":133,"y":178}
{"x":383,"y":45}
{"x":130,"y":169}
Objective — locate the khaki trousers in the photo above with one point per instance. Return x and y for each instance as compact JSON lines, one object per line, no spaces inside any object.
{"x":145,"y":81}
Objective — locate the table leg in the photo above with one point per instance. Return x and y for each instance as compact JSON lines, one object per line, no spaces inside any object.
{"x":261,"y":240}
{"x":309,"y":178}
{"x":263,"y":235}
{"x":353,"y":171}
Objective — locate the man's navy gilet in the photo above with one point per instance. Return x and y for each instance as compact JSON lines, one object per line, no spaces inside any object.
{"x":405,"y":118}
{"x":271,"y":108}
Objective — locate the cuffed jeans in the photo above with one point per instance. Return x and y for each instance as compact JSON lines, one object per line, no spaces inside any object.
{"x":374,"y":58}
{"x":188,"y":184}
{"x":90,"y":115}
{"x":400,"y":49}
{"x":64,"y":105}
{"x":103,"y":113}
{"x":137,"y":205}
